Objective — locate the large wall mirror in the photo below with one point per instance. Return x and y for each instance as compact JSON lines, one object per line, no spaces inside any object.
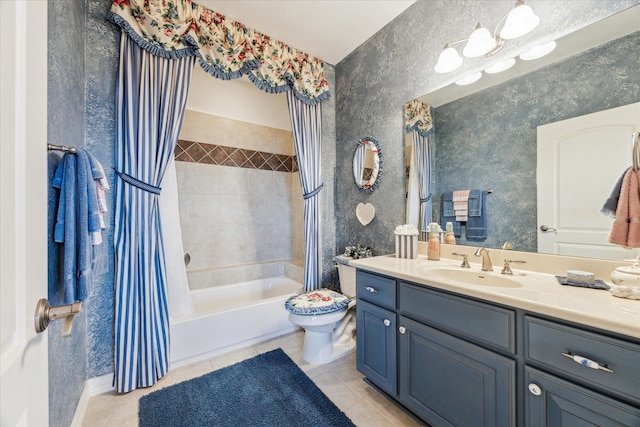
{"x":486,"y":133}
{"x":367,"y":164}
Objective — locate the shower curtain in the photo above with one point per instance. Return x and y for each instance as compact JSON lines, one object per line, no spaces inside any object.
{"x":151,"y":95}
{"x":159,"y":45}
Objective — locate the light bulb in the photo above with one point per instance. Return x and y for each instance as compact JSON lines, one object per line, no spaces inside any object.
{"x":448,"y":61}
{"x":538,"y":51}
{"x":519,"y":22}
{"x":469,"y":79}
{"x":480,"y":42}
{"x":500,"y":66}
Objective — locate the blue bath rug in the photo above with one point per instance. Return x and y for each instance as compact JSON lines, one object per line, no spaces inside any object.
{"x":266,"y":390}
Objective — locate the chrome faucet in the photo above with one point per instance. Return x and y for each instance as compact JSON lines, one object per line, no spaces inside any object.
{"x":486,"y":261}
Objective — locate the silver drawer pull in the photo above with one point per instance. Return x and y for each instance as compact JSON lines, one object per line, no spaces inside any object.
{"x":587,"y":362}
{"x":387,"y":322}
{"x":370,"y":289}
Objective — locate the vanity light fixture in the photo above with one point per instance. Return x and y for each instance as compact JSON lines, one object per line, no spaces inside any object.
{"x":518,"y":21}
{"x":538,"y":51}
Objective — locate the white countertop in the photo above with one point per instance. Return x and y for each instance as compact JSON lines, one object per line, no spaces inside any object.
{"x":539,"y":292}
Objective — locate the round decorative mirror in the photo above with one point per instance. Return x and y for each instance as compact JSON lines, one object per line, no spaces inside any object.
{"x":367,"y":164}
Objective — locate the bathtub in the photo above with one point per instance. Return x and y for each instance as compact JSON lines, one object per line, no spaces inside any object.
{"x":229,"y":317}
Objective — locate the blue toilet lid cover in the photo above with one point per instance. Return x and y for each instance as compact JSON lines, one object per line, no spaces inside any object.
{"x":317,"y":302}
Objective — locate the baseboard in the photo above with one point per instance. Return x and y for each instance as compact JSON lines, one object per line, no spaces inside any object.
{"x":100,"y":385}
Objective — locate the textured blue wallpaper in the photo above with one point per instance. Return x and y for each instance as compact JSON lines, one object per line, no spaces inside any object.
{"x":66,"y":103}
{"x":396,"y":65}
{"x":102,"y":58}
{"x":488,"y":140}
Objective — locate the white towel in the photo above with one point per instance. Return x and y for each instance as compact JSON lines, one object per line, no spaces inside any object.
{"x":461,"y":204}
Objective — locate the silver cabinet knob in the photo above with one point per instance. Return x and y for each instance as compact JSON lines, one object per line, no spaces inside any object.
{"x":387,"y":322}
{"x":402,"y":329}
{"x":535,"y":389}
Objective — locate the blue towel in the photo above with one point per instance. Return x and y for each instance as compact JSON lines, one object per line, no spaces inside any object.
{"x":77,"y":218}
{"x":448,"y":214}
{"x":477,"y":220}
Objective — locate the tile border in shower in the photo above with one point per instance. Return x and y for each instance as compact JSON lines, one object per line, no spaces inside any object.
{"x":200,"y":152}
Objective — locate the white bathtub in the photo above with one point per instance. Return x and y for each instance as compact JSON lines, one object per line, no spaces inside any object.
{"x":229,"y":317}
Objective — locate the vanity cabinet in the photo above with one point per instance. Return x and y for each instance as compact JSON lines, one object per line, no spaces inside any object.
{"x":376,"y":330}
{"x":450,"y":382}
{"x":453,"y":360}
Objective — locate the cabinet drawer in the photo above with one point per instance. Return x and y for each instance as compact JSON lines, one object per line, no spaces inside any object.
{"x":376,"y":289}
{"x":493,"y":326}
{"x":545,"y":342}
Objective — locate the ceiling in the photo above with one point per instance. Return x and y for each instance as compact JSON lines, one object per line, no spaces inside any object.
{"x":327,"y":29}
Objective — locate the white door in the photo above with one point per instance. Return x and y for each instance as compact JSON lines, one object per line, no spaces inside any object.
{"x":579,"y":162}
{"x":24,"y":386}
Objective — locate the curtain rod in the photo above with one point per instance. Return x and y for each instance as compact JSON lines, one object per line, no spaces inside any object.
{"x":51,"y":147}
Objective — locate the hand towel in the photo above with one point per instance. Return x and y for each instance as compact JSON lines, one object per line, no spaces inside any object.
{"x":460,"y":204}
{"x":610,"y":205}
{"x":448,"y":214}
{"x":625,"y":230}
{"x":477,"y":221}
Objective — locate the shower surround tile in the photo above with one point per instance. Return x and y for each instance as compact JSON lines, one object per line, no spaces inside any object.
{"x":240,"y":206}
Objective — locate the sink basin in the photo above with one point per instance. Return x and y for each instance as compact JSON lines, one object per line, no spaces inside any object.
{"x":472,"y":277}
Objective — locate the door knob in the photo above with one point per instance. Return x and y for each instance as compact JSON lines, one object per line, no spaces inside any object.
{"x":46,"y":313}
{"x":545,"y":228}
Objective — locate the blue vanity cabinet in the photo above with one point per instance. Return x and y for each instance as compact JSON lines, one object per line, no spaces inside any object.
{"x":443,"y":377}
{"x":376,"y":330}
{"x":450,"y":382}
{"x":459,"y":361}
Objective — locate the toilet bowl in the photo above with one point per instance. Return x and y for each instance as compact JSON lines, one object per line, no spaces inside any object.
{"x":328,"y":317}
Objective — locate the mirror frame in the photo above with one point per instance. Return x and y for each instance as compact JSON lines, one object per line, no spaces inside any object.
{"x":363,"y":143}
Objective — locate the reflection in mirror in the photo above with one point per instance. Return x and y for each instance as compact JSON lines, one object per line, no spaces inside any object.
{"x":488,"y":139}
{"x":367,"y":164}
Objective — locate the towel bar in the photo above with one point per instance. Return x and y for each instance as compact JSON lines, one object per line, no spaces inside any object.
{"x":52,"y":147}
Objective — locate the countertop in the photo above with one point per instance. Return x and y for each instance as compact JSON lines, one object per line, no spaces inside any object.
{"x":539,"y":292}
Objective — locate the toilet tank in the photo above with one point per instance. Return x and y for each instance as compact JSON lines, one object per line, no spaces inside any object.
{"x":347,"y":276}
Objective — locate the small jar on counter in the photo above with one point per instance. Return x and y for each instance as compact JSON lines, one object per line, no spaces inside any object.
{"x":433,"y":245}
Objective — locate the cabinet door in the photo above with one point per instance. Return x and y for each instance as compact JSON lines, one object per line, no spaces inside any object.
{"x":451,"y":382}
{"x":376,"y":349}
{"x":552,"y":402}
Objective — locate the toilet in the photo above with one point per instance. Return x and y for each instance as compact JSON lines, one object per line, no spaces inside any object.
{"x":328,"y":317}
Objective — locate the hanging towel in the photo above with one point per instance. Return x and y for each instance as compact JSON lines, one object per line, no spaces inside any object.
{"x":625,"y":230}
{"x":477,"y":221}
{"x":610,"y":205}
{"x":76,"y":221}
{"x":448,"y":214}
{"x":460,"y":204}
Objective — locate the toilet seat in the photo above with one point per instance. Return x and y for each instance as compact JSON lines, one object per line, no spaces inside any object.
{"x":321,"y":301}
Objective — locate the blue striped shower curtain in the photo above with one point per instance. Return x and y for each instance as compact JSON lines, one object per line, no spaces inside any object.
{"x":151,"y":96}
{"x":306,"y":124}
{"x":422,"y":149}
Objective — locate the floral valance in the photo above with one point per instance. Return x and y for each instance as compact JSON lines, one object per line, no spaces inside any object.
{"x":417,"y":116}
{"x":227,"y":49}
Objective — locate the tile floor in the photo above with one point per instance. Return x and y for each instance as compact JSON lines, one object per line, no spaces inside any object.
{"x":339,"y":380}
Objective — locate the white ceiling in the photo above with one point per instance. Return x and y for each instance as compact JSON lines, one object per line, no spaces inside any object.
{"x":327,"y":29}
